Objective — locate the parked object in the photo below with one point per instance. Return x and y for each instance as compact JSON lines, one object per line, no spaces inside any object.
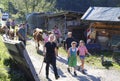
{"x":5,"y":16}
{"x":95,"y":47}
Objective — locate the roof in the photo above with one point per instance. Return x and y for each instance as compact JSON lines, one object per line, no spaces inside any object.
{"x":108,"y":14}
{"x":52,"y":14}
{"x":65,"y":13}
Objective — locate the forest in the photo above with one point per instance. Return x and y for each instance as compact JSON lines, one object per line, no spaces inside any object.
{"x":21,"y":8}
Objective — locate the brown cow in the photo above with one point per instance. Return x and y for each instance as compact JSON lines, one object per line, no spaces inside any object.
{"x":10,"y":33}
{"x":37,"y":34}
{"x":4,"y":29}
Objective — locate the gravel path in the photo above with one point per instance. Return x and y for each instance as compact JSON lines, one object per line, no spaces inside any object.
{"x":93,"y":74}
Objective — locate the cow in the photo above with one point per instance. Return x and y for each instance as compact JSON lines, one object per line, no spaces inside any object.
{"x":37,"y":34}
{"x":10,"y":33}
{"x":4,"y":29}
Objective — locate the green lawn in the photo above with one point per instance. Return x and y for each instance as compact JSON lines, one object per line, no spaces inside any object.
{"x":3,"y":55}
{"x":95,"y":60}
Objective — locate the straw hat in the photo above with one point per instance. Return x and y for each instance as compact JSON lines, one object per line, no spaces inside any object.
{"x":73,"y":42}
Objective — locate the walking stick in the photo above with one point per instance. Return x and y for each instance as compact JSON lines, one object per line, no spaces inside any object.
{"x":41,"y":66}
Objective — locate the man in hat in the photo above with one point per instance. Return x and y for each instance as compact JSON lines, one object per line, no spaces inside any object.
{"x":68,"y":42}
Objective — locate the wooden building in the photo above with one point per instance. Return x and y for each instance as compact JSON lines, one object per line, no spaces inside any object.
{"x":68,"y":21}
{"x":105,"y":25}
{"x":65,"y":21}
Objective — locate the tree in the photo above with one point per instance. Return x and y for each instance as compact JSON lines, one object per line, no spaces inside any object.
{"x":29,"y":6}
{"x":11,"y":8}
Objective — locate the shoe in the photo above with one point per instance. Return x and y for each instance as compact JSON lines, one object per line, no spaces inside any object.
{"x":83,"y":72}
{"x":79,"y":68}
{"x":56,"y":77}
{"x":75,"y":73}
{"x":47,"y":77}
{"x":68,"y":70}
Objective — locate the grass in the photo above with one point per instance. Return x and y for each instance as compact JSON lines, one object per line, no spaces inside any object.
{"x":8,"y":71}
{"x":95,"y":59}
{"x":108,"y":56}
{"x":62,"y":51}
{"x":3,"y":55}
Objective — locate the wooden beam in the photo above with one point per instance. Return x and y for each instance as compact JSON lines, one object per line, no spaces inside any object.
{"x":104,"y":25}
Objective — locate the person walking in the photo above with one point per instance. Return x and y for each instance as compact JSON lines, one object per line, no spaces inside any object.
{"x":72,"y":55}
{"x":68,"y":42}
{"x":22,"y":34}
{"x":82,"y":52}
{"x":57,"y":33}
{"x":8,"y":24}
{"x":50,"y":53}
{"x":13,"y":24}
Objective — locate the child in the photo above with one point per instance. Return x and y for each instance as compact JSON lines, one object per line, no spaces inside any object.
{"x":72,"y":55}
{"x":82,"y":51}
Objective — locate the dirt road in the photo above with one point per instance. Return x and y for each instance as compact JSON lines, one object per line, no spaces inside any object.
{"x":93,"y":74}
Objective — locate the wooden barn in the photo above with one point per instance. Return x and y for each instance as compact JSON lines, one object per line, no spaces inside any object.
{"x":65,"y":21}
{"x":68,"y":21}
{"x":105,"y":26}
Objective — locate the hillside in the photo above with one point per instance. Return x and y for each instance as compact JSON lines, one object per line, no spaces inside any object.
{"x":82,"y":5}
